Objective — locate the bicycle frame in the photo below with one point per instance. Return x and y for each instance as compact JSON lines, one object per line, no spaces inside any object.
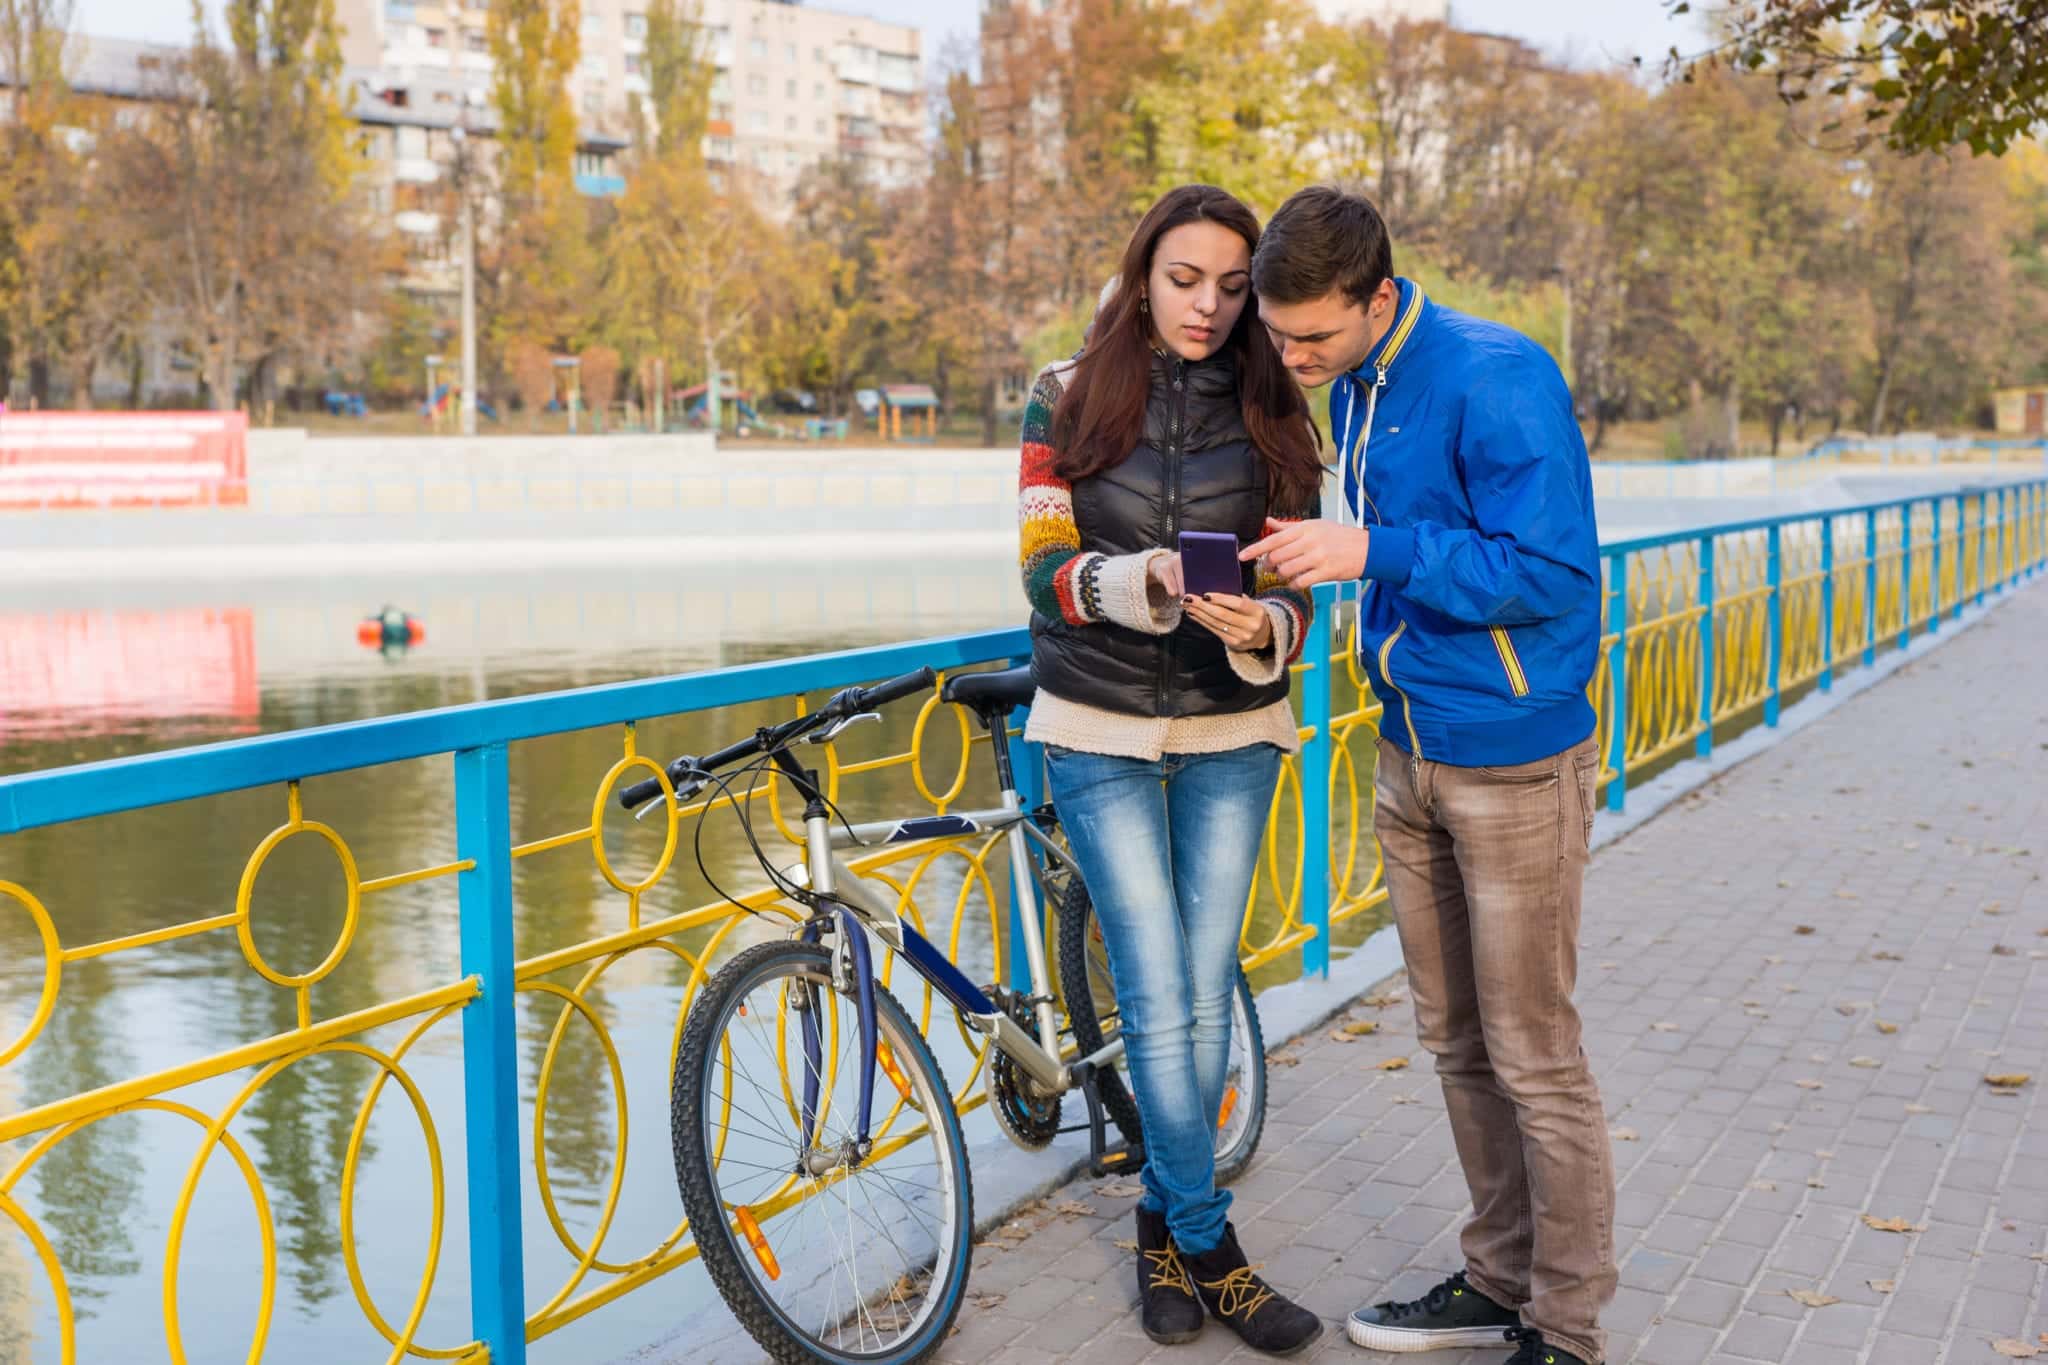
{"x":826,"y":874}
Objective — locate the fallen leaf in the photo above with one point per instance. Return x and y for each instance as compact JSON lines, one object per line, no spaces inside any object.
{"x":1865,"y":1062}
{"x":1282,"y":1059}
{"x":1882,"y":956}
{"x":1847,"y":896}
{"x":985,"y":1299}
{"x":1808,"y":1084}
{"x":1845,"y":1010}
{"x":2010,"y":1081}
{"x":1825,"y":1155}
{"x":1891,"y":1224}
{"x":1404,"y":1099}
{"x":1802,"y":928}
{"x":1814,"y":1182}
{"x":1663,"y":1026}
{"x":1338,"y":1035}
{"x":1609,"y":966}
{"x":1812,"y":1298}
{"x":1074,"y":1208}
{"x":1918,"y":1109}
{"x":2000,"y":950}
{"x":1393,"y":1064}
{"x":1124,"y":1244}
{"x":1380,"y":1002}
{"x":1623,"y":1134}
{"x":1883,"y":1027}
{"x":1773,"y":961}
{"x":1122,"y":1189}
{"x":1765,"y":1185}
{"x":1994,"y":907}
{"x":2012,"y":1348}
{"x":1358,"y":1028}
{"x":1883,"y":1286}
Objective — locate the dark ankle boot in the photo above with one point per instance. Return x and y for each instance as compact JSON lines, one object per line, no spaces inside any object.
{"x":1166,"y":1296}
{"x":1248,"y":1305}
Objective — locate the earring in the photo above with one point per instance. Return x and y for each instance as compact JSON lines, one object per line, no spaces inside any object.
{"x":1144,"y":304}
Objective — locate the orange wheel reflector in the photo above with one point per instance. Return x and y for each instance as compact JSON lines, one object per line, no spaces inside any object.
{"x":743,"y":1009}
{"x":758,"y":1240}
{"x":887,"y":1059}
{"x":1229,"y":1106}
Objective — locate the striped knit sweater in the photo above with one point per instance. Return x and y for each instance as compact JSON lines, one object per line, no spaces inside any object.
{"x":1087,"y":588}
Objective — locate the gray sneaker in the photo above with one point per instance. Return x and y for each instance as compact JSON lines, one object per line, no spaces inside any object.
{"x":1453,"y":1314}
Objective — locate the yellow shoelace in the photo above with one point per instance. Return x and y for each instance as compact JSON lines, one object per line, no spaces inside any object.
{"x":1168,"y":1272}
{"x":1240,"y":1294}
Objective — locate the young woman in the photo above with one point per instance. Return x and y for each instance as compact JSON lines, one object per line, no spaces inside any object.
{"x":1164,"y":715}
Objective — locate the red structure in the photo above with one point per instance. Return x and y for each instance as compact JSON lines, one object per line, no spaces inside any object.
{"x":124,"y":459}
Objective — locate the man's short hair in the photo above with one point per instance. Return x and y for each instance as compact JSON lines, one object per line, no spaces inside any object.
{"x":1322,"y":239}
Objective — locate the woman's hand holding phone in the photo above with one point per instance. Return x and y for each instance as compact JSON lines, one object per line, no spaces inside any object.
{"x":1239,"y":622}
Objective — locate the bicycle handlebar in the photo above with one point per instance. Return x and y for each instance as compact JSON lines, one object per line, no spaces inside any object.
{"x":854,"y":701}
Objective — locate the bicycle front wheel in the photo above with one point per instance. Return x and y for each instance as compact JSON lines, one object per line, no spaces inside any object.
{"x":822,"y":1254}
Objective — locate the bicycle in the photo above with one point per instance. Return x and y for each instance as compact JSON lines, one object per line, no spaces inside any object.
{"x":867,"y":1264}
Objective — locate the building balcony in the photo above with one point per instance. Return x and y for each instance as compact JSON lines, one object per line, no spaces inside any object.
{"x":600,"y":186}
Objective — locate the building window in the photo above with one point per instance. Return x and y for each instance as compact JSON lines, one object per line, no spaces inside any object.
{"x":818,"y":55}
{"x":789,"y":89}
{"x":721,"y":149}
{"x":789,"y":124}
{"x":789,"y":53}
{"x":475,"y":42}
{"x":817,"y":90}
{"x":721,"y":86}
{"x":437,"y":37}
{"x":821,"y":128}
{"x":791,"y":161}
{"x":757,"y":122}
{"x":758,"y":49}
{"x":593,"y":25}
{"x":636,"y":26}
{"x":632,"y":63}
{"x":757,"y":84}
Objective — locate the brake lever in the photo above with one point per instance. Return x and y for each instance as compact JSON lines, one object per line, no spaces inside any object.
{"x":684,"y":792}
{"x":840,"y":727}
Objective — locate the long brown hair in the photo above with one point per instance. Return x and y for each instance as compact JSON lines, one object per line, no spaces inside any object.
{"x":1101,"y":415}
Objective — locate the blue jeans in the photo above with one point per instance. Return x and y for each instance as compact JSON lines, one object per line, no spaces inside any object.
{"x":1169,"y":849}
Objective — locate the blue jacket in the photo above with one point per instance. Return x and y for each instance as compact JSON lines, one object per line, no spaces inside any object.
{"x":1479,"y":625}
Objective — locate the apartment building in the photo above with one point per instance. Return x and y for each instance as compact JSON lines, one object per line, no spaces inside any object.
{"x":795,"y":85}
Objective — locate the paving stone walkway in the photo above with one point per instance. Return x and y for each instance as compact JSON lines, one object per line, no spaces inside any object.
{"x":1795,"y":984}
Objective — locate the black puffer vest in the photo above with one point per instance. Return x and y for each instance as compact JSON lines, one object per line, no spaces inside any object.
{"x":1195,"y":470}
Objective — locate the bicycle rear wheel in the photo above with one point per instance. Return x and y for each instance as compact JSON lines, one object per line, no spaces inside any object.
{"x":821,"y":1256}
{"x":1089,"y":994}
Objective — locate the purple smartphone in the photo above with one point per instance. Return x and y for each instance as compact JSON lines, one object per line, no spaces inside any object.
{"x":1208,"y":563}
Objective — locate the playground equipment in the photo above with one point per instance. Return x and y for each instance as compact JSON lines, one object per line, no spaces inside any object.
{"x":444,"y":396}
{"x":736,"y":408}
{"x":920,"y":401}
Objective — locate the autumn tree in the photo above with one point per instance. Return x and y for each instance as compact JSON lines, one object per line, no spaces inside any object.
{"x":545,"y":260}
{"x":242,"y":171}
{"x":676,"y":57}
{"x":691,"y":264}
{"x":1937,"y":231}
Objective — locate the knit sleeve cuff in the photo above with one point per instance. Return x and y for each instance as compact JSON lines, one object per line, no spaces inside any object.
{"x":1130,"y":599}
{"x":1269,"y":665}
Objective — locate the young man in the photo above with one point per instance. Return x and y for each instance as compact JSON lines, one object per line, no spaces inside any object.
{"x":1468,"y":516}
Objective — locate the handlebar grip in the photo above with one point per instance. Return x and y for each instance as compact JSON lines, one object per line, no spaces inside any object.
{"x":881,"y":694}
{"x":639,"y":794}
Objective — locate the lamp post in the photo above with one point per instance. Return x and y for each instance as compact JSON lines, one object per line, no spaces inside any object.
{"x":466,"y":423}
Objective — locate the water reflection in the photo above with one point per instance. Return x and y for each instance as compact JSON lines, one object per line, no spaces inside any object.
{"x":84,"y":678}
